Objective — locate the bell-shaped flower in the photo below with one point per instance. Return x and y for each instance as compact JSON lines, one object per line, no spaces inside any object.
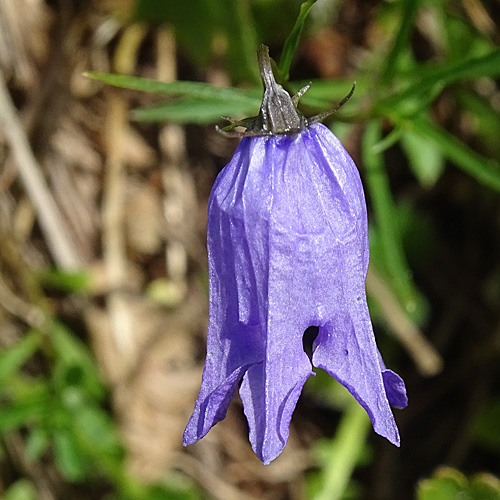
{"x":288,"y":249}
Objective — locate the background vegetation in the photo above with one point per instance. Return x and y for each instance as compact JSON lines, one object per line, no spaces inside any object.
{"x":103,"y":192}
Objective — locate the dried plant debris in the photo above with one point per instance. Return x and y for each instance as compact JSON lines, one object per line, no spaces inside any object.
{"x":24,"y":40}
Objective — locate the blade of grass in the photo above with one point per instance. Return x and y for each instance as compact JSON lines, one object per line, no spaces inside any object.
{"x":443,"y":75}
{"x":346,"y":449}
{"x":17,"y":414}
{"x":388,"y":141}
{"x":195,"y":90}
{"x":485,"y":170}
{"x":378,"y":184}
{"x":426,"y":159}
{"x":409,"y":10}
{"x":200,"y":111}
{"x":247,"y":38}
{"x":13,"y":358}
{"x":292,"y":42}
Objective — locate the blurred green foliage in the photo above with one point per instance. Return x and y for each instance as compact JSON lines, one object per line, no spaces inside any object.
{"x":450,"y":484}
{"x":64,"y":414}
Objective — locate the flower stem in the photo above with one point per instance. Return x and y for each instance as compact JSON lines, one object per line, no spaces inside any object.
{"x":346,"y":449}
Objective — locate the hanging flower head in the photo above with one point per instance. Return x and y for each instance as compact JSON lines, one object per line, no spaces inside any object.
{"x":288,"y":249}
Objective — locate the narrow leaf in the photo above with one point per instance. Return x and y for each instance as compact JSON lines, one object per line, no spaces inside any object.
{"x":445,"y":74}
{"x":409,"y":11}
{"x":345,"y":452}
{"x":426,"y":160}
{"x":484,"y":170}
{"x":13,"y":358}
{"x":73,"y":357}
{"x":195,"y":90}
{"x":293,"y":39}
{"x":383,"y":204}
{"x":15,"y":415}
{"x":200,"y":111}
{"x":68,"y":455}
{"x":388,"y":141}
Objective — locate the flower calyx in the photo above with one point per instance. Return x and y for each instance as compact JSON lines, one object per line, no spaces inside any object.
{"x":278,"y":111}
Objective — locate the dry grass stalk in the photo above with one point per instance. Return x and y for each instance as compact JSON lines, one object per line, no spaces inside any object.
{"x":426,"y":358}
{"x":58,"y":237}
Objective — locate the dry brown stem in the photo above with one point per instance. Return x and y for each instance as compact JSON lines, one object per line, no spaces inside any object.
{"x":426,"y":358}
{"x":52,"y":223}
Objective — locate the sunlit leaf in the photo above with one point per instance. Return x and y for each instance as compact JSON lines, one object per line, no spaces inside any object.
{"x":447,"y":484}
{"x":14,"y":357}
{"x":64,"y":281}
{"x":484,"y":170}
{"x":37,"y":443}
{"x":200,"y":111}
{"x":392,"y":252}
{"x":194,"y":90}
{"x":23,"y":489}
{"x":450,"y":484}
{"x":68,"y":455}
{"x":17,"y":414}
{"x":442,"y":75}
{"x":293,"y":39}
{"x":425,"y":158}
{"x":74,"y":362}
{"x":343,"y":453}
{"x":408,"y":11}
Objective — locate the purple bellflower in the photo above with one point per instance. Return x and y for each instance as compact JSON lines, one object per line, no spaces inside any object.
{"x":288,"y":249}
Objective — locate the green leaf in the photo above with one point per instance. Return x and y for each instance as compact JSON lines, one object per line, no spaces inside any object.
{"x":485,"y":170}
{"x":441,"y":76}
{"x":240,"y":29}
{"x":68,"y":455}
{"x":409,"y":10}
{"x":92,"y":426}
{"x":200,"y":111}
{"x":203,"y":25}
{"x":425,"y":158}
{"x":74,"y":363}
{"x":37,"y":443}
{"x":293,"y":39}
{"x":450,"y":484}
{"x":21,"y":490}
{"x":64,"y":281}
{"x":483,"y":118}
{"x":484,"y":487}
{"x":343,"y":453}
{"x":446,"y":484}
{"x":389,"y":140}
{"x":14,"y":357}
{"x":394,"y":260}
{"x":17,"y":414}
{"x":194,"y":90}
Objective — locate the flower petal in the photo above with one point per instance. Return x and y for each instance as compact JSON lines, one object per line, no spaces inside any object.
{"x":395,"y":389}
{"x":288,"y":249}
{"x":346,"y":350}
{"x":233,"y":342}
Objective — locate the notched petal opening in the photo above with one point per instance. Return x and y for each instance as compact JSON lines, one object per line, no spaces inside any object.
{"x":308,"y":338}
